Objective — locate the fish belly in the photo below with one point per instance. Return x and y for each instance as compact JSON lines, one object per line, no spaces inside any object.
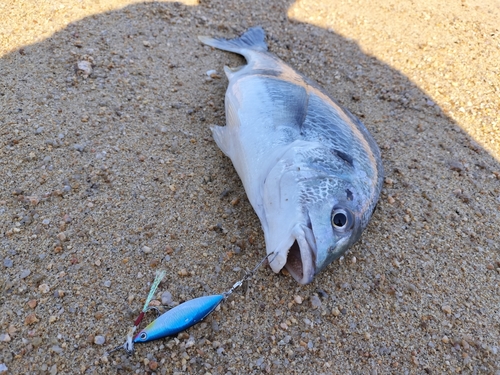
{"x":263,"y":116}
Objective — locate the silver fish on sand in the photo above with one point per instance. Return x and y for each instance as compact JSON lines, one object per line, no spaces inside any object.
{"x":311,"y":170}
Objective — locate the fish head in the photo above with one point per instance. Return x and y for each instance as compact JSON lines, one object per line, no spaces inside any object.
{"x":336,"y":225}
{"x":318,"y":220}
{"x":335,"y":208}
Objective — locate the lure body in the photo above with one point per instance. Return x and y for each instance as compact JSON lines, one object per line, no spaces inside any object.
{"x":179,"y":318}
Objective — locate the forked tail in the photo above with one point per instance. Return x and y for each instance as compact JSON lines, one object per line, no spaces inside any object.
{"x":253,"y":39}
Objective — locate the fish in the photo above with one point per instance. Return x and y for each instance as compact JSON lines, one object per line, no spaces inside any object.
{"x":311,"y":170}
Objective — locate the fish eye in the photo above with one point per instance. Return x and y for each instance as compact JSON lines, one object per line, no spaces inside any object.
{"x":143,"y":336}
{"x":342,"y":219}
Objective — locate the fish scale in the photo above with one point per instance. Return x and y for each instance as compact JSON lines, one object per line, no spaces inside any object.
{"x":311,"y":170}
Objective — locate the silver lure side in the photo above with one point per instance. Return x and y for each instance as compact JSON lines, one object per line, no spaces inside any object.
{"x":310,"y":169}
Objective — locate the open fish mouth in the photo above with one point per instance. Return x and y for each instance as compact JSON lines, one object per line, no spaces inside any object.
{"x":300,"y":264}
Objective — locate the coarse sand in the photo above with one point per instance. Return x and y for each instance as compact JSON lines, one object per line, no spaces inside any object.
{"x":108,"y":172}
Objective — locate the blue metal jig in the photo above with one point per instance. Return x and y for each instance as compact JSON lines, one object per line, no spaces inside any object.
{"x":181,"y":317}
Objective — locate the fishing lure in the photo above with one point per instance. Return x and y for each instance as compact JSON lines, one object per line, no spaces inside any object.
{"x":179,"y":318}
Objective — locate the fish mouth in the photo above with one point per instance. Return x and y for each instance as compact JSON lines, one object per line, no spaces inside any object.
{"x":299,"y":258}
{"x":300,"y":264}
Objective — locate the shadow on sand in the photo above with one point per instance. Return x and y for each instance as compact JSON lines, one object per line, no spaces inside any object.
{"x":107,"y":177}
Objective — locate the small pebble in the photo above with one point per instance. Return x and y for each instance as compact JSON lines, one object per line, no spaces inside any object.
{"x":445,"y":339}
{"x":39,"y":130}
{"x":85,"y":68}
{"x":36,"y":342}
{"x":25,"y":274}
{"x":465,"y":345}
{"x":146,"y":250}
{"x":7,"y":263}
{"x":446,"y":309}
{"x":456,"y":166}
{"x":191,"y":342}
{"x":335,"y":311}
{"x":107,"y":283}
{"x":166,"y":298}
{"x":215,"y":326}
{"x":4,"y":337}
{"x":153,"y":365}
{"x":3,"y":368}
{"x":315,"y":302}
{"x":57,"y":349}
{"x":30,"y":319}
{"x":215,"y":344}
{"x":99,"y":340}
{"x":44,"y":288}
{"x":298,"y":299}
{"x":183,"y":272}
{"x":32,"y":303}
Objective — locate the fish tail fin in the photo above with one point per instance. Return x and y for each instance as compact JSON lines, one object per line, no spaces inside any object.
{"x":253,"y":39}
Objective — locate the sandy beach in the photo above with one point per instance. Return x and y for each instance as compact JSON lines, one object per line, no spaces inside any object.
{"x":108,"y":173}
